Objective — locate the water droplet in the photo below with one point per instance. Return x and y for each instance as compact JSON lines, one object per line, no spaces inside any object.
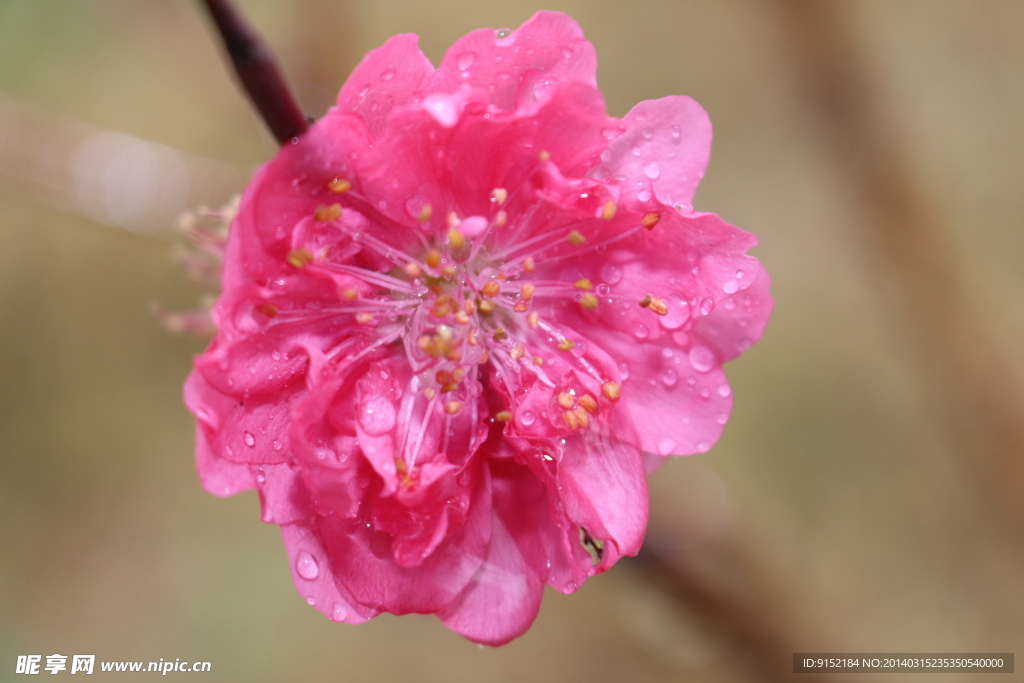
{"x":611,"y":133}
{"x":569,"y":587}
{"x":730,"y":287}
{"x":527,"y":418}
{"x":742,"y":345}
{"x":666,"y":446}
{"x":644,"y":195}
{"x":724,"y":390}
{"x":276,"y":355}
{"x":387,"y":75}
{"x":684,"y":207}
{"x":636,"y":151}
{"x":503,"y":33}
{"x":729,"y":304}
{"x":669,"y":378}
{"x":624,"y":371}
{"x":339,"y":612}
{"x":277,"y":446}
{"x":723,"y":418}
{"x":611,"y":273}
{"x":676,"y":133}
{"x":249,"y":439}
{"x":603,"y":289}
{"x":377,"y":416}
{"x":306,"y":566}
{"x":310,"y":601}
{"x":465,"y":60}
{"x":706,"y":306}
{"x":702,"y":358}
{"x":567,"y":52}
{"x":641,"y":331}
{"x":703,"y":446}
{"x":260,"y":477}
{"x":739,"y":274}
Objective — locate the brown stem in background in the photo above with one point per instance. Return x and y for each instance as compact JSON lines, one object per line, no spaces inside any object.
{"x":258,"y":71}
{"x":973,"y":378}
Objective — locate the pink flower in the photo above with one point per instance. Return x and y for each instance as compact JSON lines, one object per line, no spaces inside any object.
{"x":460,"y":317}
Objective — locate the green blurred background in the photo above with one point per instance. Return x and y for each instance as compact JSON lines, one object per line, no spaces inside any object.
{"x":836,"y":461}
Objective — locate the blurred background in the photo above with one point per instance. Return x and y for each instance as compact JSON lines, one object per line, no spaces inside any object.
{"x":864,"y":496}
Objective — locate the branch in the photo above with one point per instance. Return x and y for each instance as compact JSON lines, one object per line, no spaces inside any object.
{"x":258,"y":71}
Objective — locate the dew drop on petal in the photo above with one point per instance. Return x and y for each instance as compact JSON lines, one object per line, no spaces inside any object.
{"x":527,"y":418}
{"x":611,"y":133}
{"x":641,"y":331}
{"x":730,"y":287}
{"x":706,"y":306}
{"x":676,"y":133}
{"x":652,"y":170}
{"x":644,"y":195}
{"x":501,"y":34}
{"x":339,"y":612}
{"x":648,"y":133}
{"x":310,"y":601}
{"x":465,"y":60}
{"x":669,"y":378}
{"x":739,"y":274}
{"x":611,"y":273}
{"x":277,"y":446}
{"x":624,"y":371}
{"x":701,"y":358}
{"x":249,"y":439}
{"x":666,"y":446}
{"x":567,"y":52}
{"x":724,"y":390}
{"x":306,"y":566}
{"x":703,"y":447}
{"x":387,"y":75}
{"x":377,"y":416}
{"x":723,"y":418}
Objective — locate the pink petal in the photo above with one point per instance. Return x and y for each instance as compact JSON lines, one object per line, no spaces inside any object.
{"x":548,"y":48}
{"x":503,"y":598}
{"x":314,"y":576}
{"x":665,"y":149}
{"x":392,"y":75}
{"x":604,"y":488}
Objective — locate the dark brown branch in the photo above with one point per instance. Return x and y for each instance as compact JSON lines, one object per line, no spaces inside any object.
{"x":258,"y":71}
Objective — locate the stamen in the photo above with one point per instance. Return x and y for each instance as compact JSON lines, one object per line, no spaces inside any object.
{"x":485,"y":307}
{"x":433,"y":258}
{"x":491,"y":289}
{"x":583,"y":283}
{"x":327,"y":214}
{"x":582,"y":417}
{"x":566,"y":401}
{"x":339,"y":185}
{"x":610,"y":390}
{"x":650,"y":220}
{"x":589,"y":301}
{"x":533,"y":320}
{"x":526,"y":291}
{"x":570,"y":420}
{"x":364,"y":318}
{"x":449,"y":271}
{"x":350,"y":293}
{"x":575,"y":238}
{"x":453,"y":219}
{"x":500,"y":219}
{"x":538,"y":361}
{"x":499,"y":194}
{"x":503,"y":416}
{"x":456,"y":238}
{"x":425,"y":213}
{"x":299,"y":258}
{"x":268,"y":309}
{"x":544,"y":155}
{"x":413,"y":270}
{"x":566,"y":344}
{"x":608,"y":210}
{"x":453,"y":407}
{"x":520,"y":307}
{"x":589,"y":403}
{"x":518,"y":352}
{"x":528,"y":264}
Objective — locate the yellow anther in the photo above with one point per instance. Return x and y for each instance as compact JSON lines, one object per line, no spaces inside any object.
{"x":503,"y":416}
{"x":299,"y":258}
{"x":485,"y":307}
{"x":576,"y":238}
{"x":363,"y":318}
{"x":518,"y":352}
{"x":458,"y":374}
{"x":425,"y":213}
{"x":472,"y":338}
{"x":453,"y":354}
{"x":650,"y":220}
{"x":645,"y":302}
{"x":453,"y":219}
{"x":538,"y":361}
{"x":339,"y":185}
{"x":657,"y":305}
{"x":424,"y":343}
{"x":608,"y":210}
{"x":566,"y":344}
{"x":499,"y":194}
{"x":449,"y":271}
{"x":430,"y":393}
{"x":268,"y":309}
{"x":526,"y":291}
{"x":484,"y":357}
{"x":443,"y":377}
{"x":453,"y":407}
{"x":589,"y":301}
{"x":500,"y":219}
{"x":461,"y":318}
{"x":499,"y":334}
{"x":570,"y":420}
{"x":350,"y":293}
{"x":433,"y":258}
{"x":544,"y":155}
{"x":469,"y":306}
{"x":491,"y":289}
{"x":566,"y":400}
{"x":583,"y":283}
{"x":582,"y":416}
{"x":520,"y":307}
{"x":589,"y":403}
{"x":610,"y":390}
{"x":533,"y":320}
{"x":413,"y":270}
{"x":449,"y":388}
{"x":326,"y":214}
{"x":456,"y":239}
{"x":446,"y":333}
{"x":528,"y":264}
